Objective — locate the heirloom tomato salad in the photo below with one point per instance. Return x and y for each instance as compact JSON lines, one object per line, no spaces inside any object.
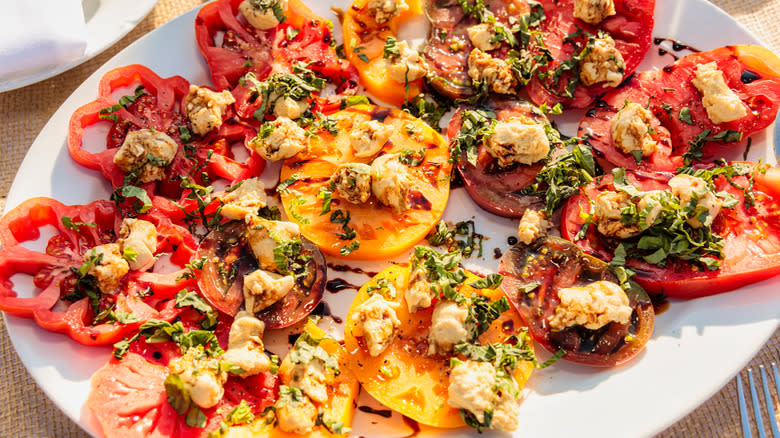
{"x":192,"y":259}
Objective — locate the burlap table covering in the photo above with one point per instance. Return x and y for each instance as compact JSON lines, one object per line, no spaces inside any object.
{"x":24,"y":409}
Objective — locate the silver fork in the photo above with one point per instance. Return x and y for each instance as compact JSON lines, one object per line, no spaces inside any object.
{"x":743,"y":409}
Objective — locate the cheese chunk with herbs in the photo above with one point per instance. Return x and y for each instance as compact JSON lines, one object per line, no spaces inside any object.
{"x":631,"y":130}
{"x":721,"y":102}
{"x":603,"y":64}
{"x":138,"y":241}
{"x":384,"y":10}
{"x":516,"y":142}
{"x":471,"y":388}
{"x":296,"y":413}
{"x":206,"y":108}
{"x":532,"y":225}
{"x":263,"y":289}
{"x":368,"y":137}
{"x":390,"y":182}
{"x":694,"y":190}
{"x":201,"y":376}
{"x":377,"y":321}
{"x":418,"y":294}
{"x":352,"y":182}
{"x":448,"y":327}
{"x":263,"y":14}
{"x":279,"y":140}
{"x":109,"y":267}
{"x":494,"y":72}
{"x":245,"y":200}
{"x":592,"y":306}
{"x":482,"y":35}
{"x":146,"y":153}
{"x":651,"y":206}
{"x":245,"y":345}
{"x":286,"y":106}
{"x":594,"y":11}
{"x":265,"y":235}
{"x":607,"y":214}
{"x":406,"y":67}
{"x":313,"y":378}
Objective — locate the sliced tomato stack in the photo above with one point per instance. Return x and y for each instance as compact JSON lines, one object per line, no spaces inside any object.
{"x":55,"y":280}
{"x":752,"y":72}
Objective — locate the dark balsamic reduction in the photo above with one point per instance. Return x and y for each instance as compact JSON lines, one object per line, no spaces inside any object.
{"x":381,"y":412}
{"x":748,"y":77}
{"x":419,"y":202}
{"x":339,"y":284}
{"x":497,"y":253}
{"x":512,"y":240}
{"x":323,"y":309}
{"x":347,"y":268}
{"x":413,"y":424}
{"x":660,"y":303}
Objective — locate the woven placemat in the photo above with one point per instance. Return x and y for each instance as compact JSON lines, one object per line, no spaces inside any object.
{"x":27,"y":412}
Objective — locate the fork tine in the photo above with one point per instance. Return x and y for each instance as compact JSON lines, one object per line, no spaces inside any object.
{"x":743,"y":413}
{"x":770,"y":407}
{"x":756,"y":406}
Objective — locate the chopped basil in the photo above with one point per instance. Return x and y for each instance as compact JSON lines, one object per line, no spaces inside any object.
{"x":70,"y":225}
{"x":443,"y":235}
{"x":492,"y":281}
{"x":185,"y":298}
{"x":685,"y":115}
{"x":391,"y":48}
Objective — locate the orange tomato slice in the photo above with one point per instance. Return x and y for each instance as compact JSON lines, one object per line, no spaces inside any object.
{"x":340,"y":406}
{"x":364,"y":43}
{"x":404,"y":377}
{"x":382,"y":234}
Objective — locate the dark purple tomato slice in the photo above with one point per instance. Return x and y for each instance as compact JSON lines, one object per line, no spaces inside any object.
{"x":556,"y":264}
{"x":229,"y":258}
{"x":494,"y":188}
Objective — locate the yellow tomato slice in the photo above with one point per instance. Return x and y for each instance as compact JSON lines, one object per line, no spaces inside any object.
{"x":404,"y":378}
{"x":341,"y":404}
{"x":382,"y":233}
{"x":364,"y":42}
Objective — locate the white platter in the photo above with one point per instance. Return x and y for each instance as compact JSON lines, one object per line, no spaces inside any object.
{"x":696,"y":348}
{"x":107,"y":22}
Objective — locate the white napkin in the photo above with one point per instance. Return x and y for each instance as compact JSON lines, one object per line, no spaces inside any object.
{"x":39,"y":33}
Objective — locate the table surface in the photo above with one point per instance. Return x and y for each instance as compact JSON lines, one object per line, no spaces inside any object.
{"x":27,"y":412}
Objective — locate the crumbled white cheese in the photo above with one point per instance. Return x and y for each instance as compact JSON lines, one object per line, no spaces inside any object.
{"x":506,"y":415}
{"x":263,"y":288}
{"x":313,"y":379}
{"x":264,"y":235}
{"x":418,"y":293}
{"x":651,"y":201}
{"x":592,"y":306}
{"x":377,"y":321}
{"x":631,"y":130}
{"x":352,"y":182}
{"x":471,"y":387}
{"x":206,"y":108}
{"x":288,"y":107}
{"x":297,"y":417}
{"x":406,"y":67}
{"x":603,"y":64}
{"x":390,"y":182}
{"x":532,"y":225}
{"x":285,"y":140}
{"x":384,"y":10}
{"x":138,"y":241}
{"x":199,"y":375}
{"x":368,"y":137}
{"x":244,"y":201}
{"x":516,"y":142}
{"x":694,"y":190}
{"x":481,"y":36}
{"x":448,"y":327}
{"x":607,"y":214}
{"x":594,"y":11}
{"x":495,"y":72}
{"x":133,"y":155}
{"x":245,"y":345}
{"x":260,"y":13}
{"x":108,"y":272}
{"x":720,"y":101}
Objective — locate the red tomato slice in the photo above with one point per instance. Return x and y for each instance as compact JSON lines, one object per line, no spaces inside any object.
{"x":750,"y":71}
{"x":51,"y":270}
{"x":752,"y":235}
{"x":229,"y":258}
{"x":497,"y":189}
{"x":128,"y":400}
{"x":557,"y":264}
{"x":631,"y":28}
